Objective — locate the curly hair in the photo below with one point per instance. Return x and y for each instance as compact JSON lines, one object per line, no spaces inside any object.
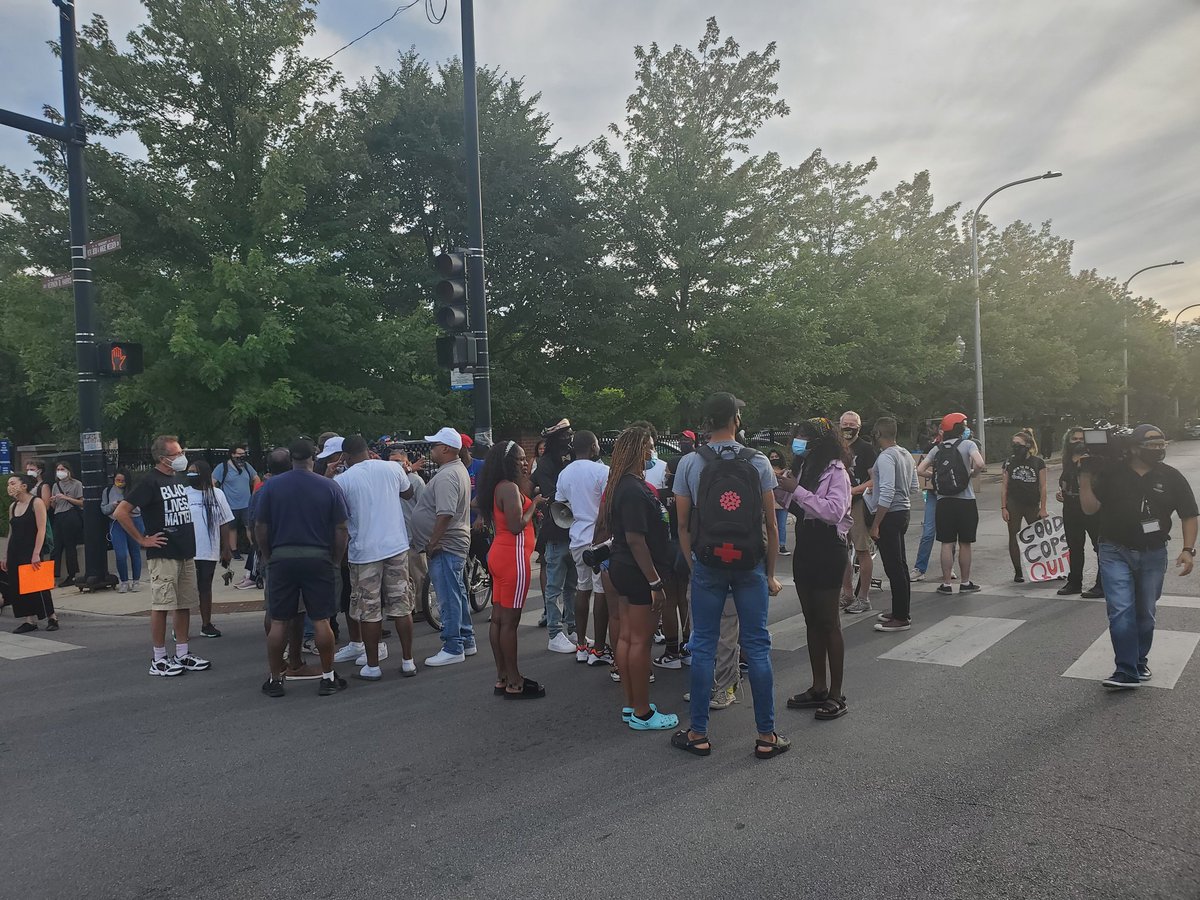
{"x":627,"y":458}
{"x":824,"y":447}
{"x":502,"y":464}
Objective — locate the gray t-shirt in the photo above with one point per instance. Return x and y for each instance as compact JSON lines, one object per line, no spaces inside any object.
{"x":447,"y":494}
{"x":965,"y":448}
{"x":418,"y":486}
{"x":687,"y":478}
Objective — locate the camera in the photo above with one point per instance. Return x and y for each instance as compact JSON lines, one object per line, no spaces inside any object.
{"x":1105,"y":443}
{"x":595,"y":556}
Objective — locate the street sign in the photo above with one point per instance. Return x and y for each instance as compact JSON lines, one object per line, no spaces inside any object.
{"x":90,"y":441}
{"x":102,"y":246}
{"x":461,"y":381}
{"x":58,"y":281}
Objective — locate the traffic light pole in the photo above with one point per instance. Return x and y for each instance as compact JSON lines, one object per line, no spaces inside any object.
{"x":73,"y":137}
{"x":474,"y":261}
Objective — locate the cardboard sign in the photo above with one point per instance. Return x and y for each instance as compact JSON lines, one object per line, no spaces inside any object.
{"x":30,"y":580}
{"x":1043,"y":549}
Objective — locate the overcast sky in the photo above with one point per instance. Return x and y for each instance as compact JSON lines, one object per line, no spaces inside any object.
{"x":980,"y":93}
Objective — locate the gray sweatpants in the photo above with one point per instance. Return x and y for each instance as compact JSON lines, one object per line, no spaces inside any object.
{"x":726,"y":673}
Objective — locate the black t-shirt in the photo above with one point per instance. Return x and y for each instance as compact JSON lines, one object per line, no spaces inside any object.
{"x":635,"y":508}
{"x":864,"y":457}
{"x":545,"y":477}
{"x":164,"y":504}
{"x":1127,"y":500}
{"x":1023,"y":479}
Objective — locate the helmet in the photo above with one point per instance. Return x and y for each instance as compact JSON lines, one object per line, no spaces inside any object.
{"x":950,"y":420}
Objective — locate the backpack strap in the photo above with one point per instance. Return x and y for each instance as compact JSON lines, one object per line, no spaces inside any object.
{"x":707,"y":453}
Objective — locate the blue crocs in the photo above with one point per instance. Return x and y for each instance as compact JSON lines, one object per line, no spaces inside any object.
{"x":657,"y":722}
{"x":627,"y":712}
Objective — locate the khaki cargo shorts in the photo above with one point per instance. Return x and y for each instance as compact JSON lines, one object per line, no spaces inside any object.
{"x":173,"y":584}
{"x":860,"y":531}
{"x":380,"y":589}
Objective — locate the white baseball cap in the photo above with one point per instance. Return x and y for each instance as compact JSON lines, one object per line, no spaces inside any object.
{"x":447,"y":436}
{"x":332,"y":446}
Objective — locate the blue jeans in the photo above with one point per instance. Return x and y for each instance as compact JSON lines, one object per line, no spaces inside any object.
{"x":928,"y":529}
{"x":710,"y":587}
{"x":1133,"y":581}
{"x":124,"y":546}
{"x":560,"y":582}
{"x":781,"y":519}
{"x":446,"y":576}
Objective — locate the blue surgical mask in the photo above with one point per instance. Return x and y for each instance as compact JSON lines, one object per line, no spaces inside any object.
{"x":650,"y":463}
{"x":799,"y":446}
{"x":966,"y":433}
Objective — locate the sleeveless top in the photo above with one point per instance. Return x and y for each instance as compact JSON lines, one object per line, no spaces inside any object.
{"x":506,"y":538}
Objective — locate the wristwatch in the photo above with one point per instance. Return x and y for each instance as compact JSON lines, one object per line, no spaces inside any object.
{"x":1191,"y":550}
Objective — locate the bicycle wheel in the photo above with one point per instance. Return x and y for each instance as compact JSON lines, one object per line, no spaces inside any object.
{"x":429,"y":603}
{"x":479,"y":584}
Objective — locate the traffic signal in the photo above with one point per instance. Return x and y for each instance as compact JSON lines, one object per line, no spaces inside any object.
{"x":457,"y":349}
{"x":119,"y":358}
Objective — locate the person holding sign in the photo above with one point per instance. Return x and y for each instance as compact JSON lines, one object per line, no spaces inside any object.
{"x":1133,"y":497}
{"x":1022,"y":493}
{"x":27,"y":533}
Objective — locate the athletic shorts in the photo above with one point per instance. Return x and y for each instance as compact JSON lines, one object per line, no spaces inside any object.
{"x":860,"y":528}
{"x":957,"y":520}
{"x":630,"y":583}
{"x":585,"y":578}
{"x":290,"y":577}
{"x":173,"y":584}
{"x":380,"y":588}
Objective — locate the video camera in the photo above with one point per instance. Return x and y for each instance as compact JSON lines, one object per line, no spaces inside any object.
{"x":594,"y":556}
{"x":1105,"y":443}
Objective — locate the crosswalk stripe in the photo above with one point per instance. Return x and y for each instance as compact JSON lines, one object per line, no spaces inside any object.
{"x":1164,"y":600}
{"x":20,"y":646}
{"x":1168,"y":657}
{"x":954,"y":641}
{"x":789,"y":634}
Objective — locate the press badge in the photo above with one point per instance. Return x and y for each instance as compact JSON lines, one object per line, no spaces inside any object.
{"x":1151,"y":526}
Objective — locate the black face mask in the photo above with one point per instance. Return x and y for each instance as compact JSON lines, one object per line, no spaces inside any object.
{"x":1020,"y":451}
{"x":1151,"y":457}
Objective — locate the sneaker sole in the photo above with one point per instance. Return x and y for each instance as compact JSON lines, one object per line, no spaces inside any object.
{"x":675,"y":665}
{"x":168,"y":674}
{"x":1120,"y":686}
{"x":887,"y":628}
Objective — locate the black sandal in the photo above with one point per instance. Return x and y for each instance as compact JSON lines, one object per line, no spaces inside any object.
{"x":680,"y":740}
{"x":832,"y":709}
{"x":52,"y":624}
{"x":808,"y":700}
{"x":530,"y":691}
{"x":767,"y":749}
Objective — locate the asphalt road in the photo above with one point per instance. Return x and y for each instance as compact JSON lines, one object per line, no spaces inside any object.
{"x":986,"y":776}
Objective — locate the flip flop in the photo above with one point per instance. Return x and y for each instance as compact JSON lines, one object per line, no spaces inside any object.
{"x":531,"y":691}
{"x":680,"y":741}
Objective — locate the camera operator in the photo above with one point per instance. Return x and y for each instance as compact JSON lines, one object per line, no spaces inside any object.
{"x":1133,"y":498}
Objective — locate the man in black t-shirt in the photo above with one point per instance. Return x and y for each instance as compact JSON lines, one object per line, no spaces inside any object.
{"x":863,"y":456}
{"x":170,"y":544}
{"x":554,"y":542}
{"x":1133,"y":500}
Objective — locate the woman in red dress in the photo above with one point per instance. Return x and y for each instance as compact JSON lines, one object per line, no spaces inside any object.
{"x":505,"y":504}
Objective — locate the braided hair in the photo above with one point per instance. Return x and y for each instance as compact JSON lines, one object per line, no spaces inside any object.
{"x":628,"y":458}
{"x":204,"y":484}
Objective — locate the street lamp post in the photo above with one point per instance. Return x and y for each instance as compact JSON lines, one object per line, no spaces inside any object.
{"x":1125,"y":334}
{"x":979,"y":417}
{"x":1175,"y":342}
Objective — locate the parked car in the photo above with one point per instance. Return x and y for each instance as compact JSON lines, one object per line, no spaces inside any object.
{"x":1191,"y":428}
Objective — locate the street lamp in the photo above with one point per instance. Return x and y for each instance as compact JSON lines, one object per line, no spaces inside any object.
{"x":979,"y":417}
{"x":1175,"y":341}
{"x":1125,"y":330}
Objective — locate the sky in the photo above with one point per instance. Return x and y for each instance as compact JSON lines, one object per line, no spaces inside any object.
{"x":979,"y":93}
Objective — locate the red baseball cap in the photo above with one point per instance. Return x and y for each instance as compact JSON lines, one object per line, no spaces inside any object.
{"x":467,"y":441}
{"x":690,"y":435}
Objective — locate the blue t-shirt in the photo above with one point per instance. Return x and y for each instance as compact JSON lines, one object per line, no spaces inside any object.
{"x":473,"y":470}
{"x":300,"y":509}
{"x":235,"y":485}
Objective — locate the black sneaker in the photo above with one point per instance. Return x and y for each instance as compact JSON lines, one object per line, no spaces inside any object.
{"x":210,"y":631}
{"x":1018,"y":578}
{"x":25,"y":628}
{"x":273,"y":687}
{"x":1120,"y":681}
{"x":969,"y":587}
{"x":1068,"y":589}
{"x":784,"y":551}
{"x":331,"y":687}
{"x":945,"y":589}
{"x":1144,"y":673}
{"x":1095,"y":592}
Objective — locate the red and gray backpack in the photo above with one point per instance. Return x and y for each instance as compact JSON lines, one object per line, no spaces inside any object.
{"x":727,"y":522}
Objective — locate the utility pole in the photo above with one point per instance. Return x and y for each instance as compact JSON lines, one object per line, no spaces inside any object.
{"x":73,"y":137}
{"x":474,"y":250}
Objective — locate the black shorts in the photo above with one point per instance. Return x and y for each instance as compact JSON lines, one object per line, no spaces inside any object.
{"x":630,"y":583}
{"x":289,"y":577}
{"x":957,"y":520}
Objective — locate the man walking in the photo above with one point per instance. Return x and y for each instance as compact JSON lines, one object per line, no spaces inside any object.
{"x":237,"y":479}
{"x":555,"y":541}
{"x":442,"y":527}
{"x":728,"y":534}
{"x":300,"y":528}
{"x":893,"y":482}
{"x":863,"y":456}
{"x":952,"y":469}
{"x":375,"y":494}
{"x":1134,"y":499}
{"x":170,"y":544}
{"x":581,"y":485}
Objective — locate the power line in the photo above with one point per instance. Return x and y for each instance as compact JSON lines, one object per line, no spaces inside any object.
{"x":434,"y":18}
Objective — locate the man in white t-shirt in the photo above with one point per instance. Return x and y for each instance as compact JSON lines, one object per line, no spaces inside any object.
{"x":581,"y":485}
{"x":378,"y":554}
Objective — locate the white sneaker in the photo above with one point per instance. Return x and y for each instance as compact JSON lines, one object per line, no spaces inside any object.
{"x":166,"y":667}
{"x":408,"y":668}
{"x":916,"y":575}
{"x":573,"y":638}
{"x":123,"y":587}
{"x":361,"y":659}
{"x":135,"y":586}
{"x":582,"y":654}
{"x":560,"y":643}
{"x":370,"y":673}
{"x":471,"y":651}
{"x":349,"y":653}
{"x":442,"y":658}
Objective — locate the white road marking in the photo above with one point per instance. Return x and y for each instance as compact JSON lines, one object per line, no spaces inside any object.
{"x":1169,"y":655}
{"x":22,"y":646}
{"x":954,"y":641}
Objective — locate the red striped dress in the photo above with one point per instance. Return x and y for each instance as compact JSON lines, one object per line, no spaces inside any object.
{"x":509,"y":560}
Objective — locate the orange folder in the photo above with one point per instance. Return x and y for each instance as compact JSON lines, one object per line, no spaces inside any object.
{"x":30,"y":581}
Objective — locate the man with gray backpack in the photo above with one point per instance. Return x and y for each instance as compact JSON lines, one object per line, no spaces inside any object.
{"x":951,"y":469}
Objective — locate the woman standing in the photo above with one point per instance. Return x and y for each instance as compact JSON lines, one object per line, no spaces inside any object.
{"x":781,"y":501}
{"x":1077,"y":525}
{"x":820,"y":494}
{"x":27,"y":532}
{"x":502,"y":490}
{"x":127,"y":553}
{"x":1022,"y":493}
{"x":215,"y":539}
{"x":66,"y":499}
{"x":638,"y":525}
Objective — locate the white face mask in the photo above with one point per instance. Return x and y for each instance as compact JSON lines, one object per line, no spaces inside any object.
{"x":61,"y":474}
{"x":32,"y":473}
{"x":179,"y":463}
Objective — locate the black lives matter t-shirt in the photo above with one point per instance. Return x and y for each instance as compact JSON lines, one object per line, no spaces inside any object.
{"x":165,"y":510}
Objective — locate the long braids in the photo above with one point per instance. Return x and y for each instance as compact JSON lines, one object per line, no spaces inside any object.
{"x":628,"y":458}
